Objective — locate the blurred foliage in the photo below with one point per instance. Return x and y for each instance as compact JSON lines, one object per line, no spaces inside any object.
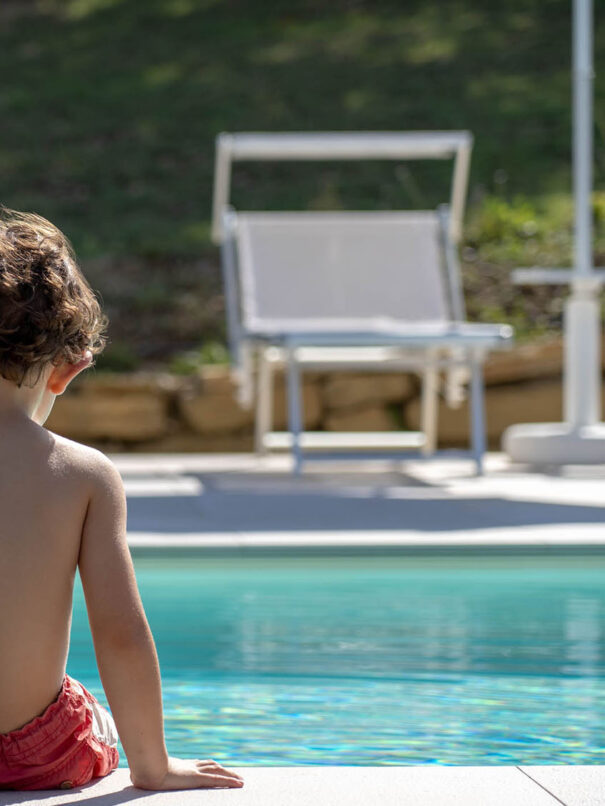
{"x":501,"y":236}
{"x":158,"y":308}
{"x":118,"y":357}
{"x":110,"y":109}
{"x":212,"y":352}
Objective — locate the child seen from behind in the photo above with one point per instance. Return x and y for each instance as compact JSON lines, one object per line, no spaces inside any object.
{"x":62,"y":508}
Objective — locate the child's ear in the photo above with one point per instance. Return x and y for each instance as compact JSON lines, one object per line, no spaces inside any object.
{"x":63,"y":373}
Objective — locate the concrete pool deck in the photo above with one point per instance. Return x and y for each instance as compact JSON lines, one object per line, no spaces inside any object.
{"x":238,"y":504}
{"x":356,"y":786}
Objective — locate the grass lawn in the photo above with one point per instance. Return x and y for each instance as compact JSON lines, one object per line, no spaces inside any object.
{"x":110,"y":108}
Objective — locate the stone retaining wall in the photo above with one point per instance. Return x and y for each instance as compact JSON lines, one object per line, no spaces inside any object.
{"x":162,"y":412}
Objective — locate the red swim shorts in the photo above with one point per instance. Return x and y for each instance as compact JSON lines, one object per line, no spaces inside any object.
{"x":73,"y":741}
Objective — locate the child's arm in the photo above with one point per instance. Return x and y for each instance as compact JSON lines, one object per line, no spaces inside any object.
{"x":124,"y":646}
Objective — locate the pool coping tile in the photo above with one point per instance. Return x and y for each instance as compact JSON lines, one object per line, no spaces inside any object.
{"x":581,"y":785}
{"x":428,"y":785}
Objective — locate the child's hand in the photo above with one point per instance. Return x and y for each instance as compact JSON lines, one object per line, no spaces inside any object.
{"x":192,"y":774}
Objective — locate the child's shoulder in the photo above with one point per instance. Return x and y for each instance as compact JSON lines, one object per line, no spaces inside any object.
{"x":85,"y":464}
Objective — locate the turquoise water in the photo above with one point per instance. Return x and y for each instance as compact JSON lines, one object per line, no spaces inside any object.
{"x":375,"y":660}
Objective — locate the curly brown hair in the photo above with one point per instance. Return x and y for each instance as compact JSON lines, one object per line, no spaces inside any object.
{"x":48,"y":312}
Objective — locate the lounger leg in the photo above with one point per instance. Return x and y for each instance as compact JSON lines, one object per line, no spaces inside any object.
{"x":294,"y":409}
{"x":428,"y":412}
{"x":477,"y":413}
{"x":264,"y":402}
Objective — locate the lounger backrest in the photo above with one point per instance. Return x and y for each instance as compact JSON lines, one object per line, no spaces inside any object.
{"x":352,"y":264}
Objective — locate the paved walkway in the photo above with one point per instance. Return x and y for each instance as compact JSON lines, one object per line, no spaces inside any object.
{"x":357,"y":786}
{"x":236,"y":502}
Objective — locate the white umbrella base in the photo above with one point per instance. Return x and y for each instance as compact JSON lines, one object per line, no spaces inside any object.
{"x":555,"y":444}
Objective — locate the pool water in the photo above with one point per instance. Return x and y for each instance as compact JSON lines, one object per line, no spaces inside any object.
{"x":373,"y":660}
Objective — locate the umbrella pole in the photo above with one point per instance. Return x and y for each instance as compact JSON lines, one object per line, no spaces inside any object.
{"x":581,"y":438}
{"x":582,"y":391}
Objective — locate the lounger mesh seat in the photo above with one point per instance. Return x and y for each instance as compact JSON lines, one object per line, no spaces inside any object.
{"x":341,"y":265}
{"x":378,"y":290}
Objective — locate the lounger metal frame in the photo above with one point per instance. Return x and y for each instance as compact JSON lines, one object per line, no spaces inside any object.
{"x":458,"y":348}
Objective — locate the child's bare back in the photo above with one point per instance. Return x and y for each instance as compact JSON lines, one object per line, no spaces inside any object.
{"x":63,"y":508}
{"x":45,"y":485}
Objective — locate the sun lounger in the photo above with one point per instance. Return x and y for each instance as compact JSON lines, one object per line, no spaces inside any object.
{"x":348,"y":290}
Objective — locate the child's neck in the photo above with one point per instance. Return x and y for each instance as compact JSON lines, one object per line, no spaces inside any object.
{"x":18,"y":401}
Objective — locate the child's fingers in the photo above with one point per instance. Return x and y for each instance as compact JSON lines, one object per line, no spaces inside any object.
{"x":209,"y":780}
{"x":221,"y":772}
{"x":216,"y":769}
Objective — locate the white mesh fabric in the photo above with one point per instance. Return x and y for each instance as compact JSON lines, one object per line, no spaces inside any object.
{"x":341,"y":265}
